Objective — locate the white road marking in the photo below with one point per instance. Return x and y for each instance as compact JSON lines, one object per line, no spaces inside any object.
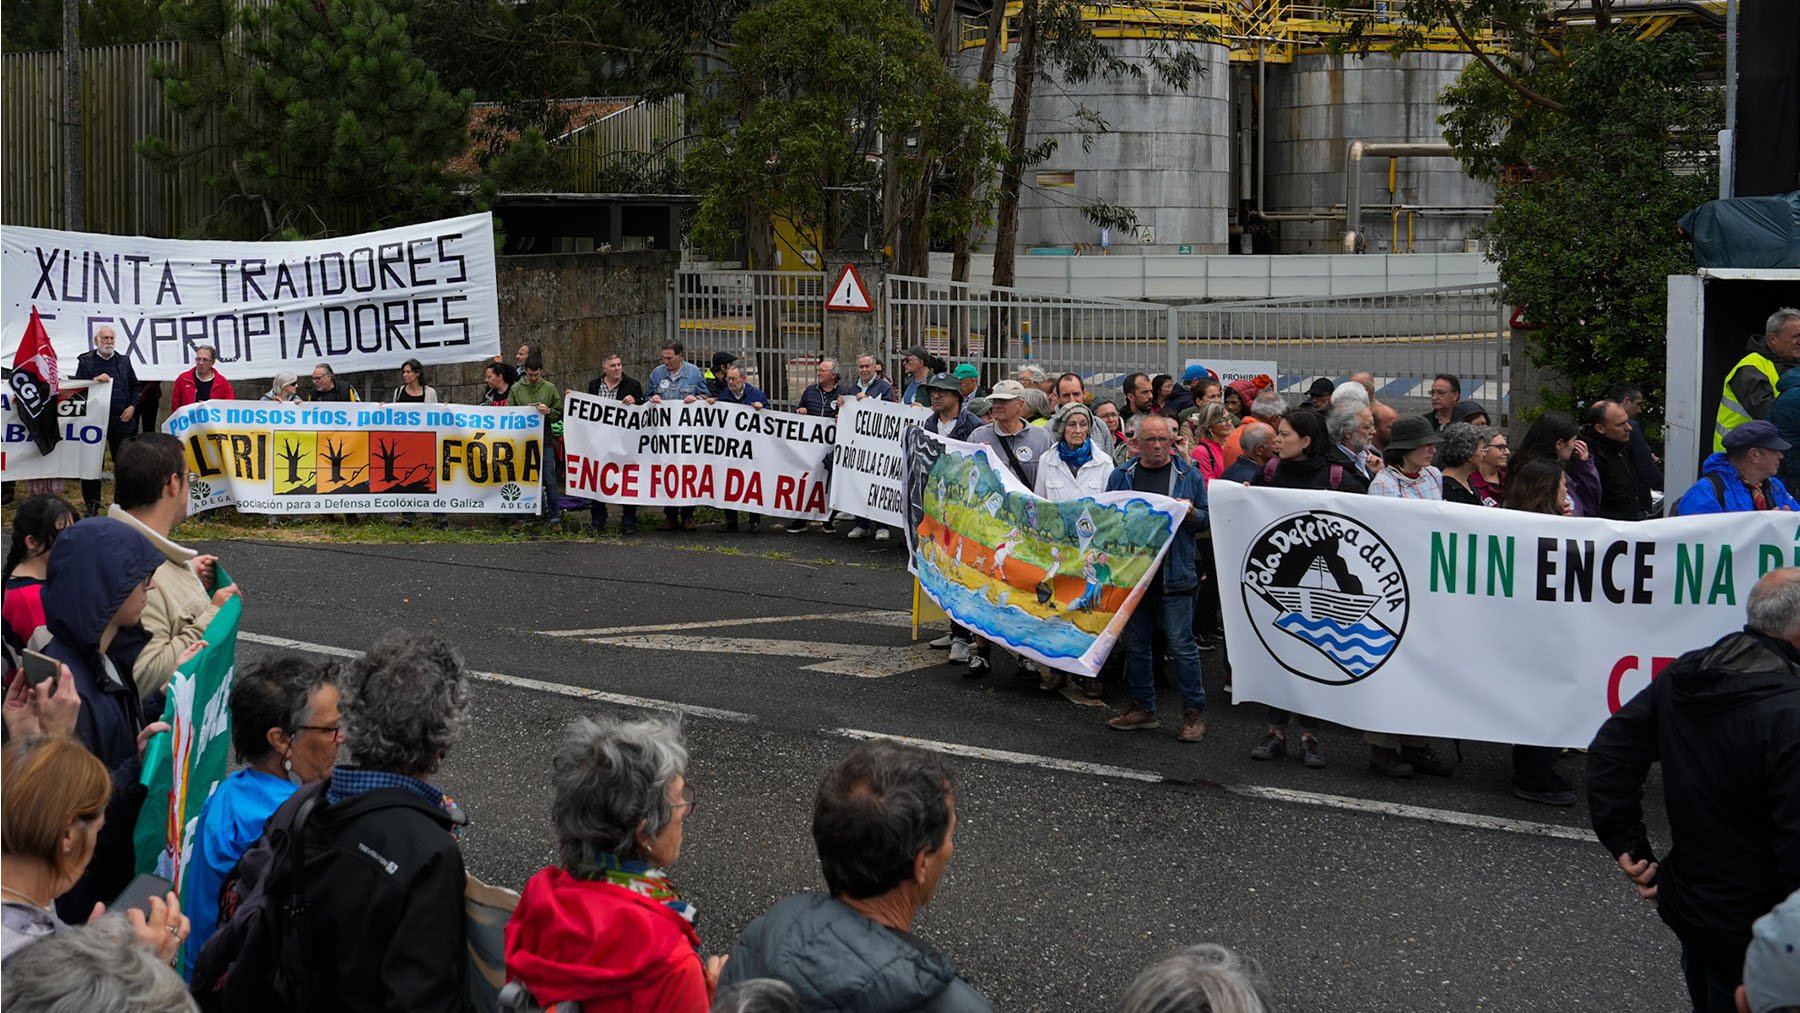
{"x":1416,"y":812}
{"x":519,"y":682}
{"x":1447,"y":816}
{"x":1007,"y":756}
{"x":878,"y":617}
{"x":864,"y":661}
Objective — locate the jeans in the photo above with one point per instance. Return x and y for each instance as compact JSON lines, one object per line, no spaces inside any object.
{"x":1710,"y":990}
{"x":1206,"y":607}
{"x":597,"y":513}
{"x":1173,"y":614}
{"x":116,"y":434}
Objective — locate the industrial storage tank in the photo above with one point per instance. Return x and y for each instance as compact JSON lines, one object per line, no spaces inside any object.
{"x":1321,"y":103}
{"x":1166,"y":154}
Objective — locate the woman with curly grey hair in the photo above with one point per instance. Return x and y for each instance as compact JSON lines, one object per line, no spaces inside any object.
{"x":1456,"y":459}
{"x":384,"y":877}
{"x":605,"y":928}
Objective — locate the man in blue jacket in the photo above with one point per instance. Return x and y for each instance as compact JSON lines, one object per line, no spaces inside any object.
{"x":1168,"y":601}
{"x":1741,"y":477}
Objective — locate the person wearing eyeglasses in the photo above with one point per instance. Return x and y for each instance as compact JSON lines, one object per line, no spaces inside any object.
{"x":1493,"y":453}
{"x":605,"y":928}
{"x":286,"y":728}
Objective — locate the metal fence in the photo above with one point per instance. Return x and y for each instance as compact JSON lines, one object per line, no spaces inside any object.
{"x":120,"y":106}
{"x":774,"y":320}
{"x":1404,"y":338}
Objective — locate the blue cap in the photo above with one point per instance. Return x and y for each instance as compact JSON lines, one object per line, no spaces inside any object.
{"x":1195,"y":372}
{"x":1756,"y":433}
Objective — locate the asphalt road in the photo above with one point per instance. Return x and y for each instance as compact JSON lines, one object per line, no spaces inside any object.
{"x":1082,"y":854}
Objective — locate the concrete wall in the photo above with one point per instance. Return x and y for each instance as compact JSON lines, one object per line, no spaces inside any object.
{"x":1322,"y":102}
{"x":1180,"y":280}
{"x":578,"y":306}
{"x":1165,"y":154}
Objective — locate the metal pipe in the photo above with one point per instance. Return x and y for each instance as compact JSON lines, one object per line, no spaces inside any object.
{"x":1728,"y":136}
{"x":1352,"y":180}
{"x":1262,"y":120}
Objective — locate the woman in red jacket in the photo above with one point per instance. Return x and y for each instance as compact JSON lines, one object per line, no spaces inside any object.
{"x":607,"y":929}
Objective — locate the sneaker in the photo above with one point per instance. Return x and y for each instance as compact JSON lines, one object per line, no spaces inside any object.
{"x":1424,"y":761}
{"x":1135,"y":717}
{"x":93,"y":509}
{"x":1193,"y":725}
{"x":797,"y":528}
{"x":669,"y":524}
{"x":755,"y":524}
{"x":859,"y":533}
{"x":959,"y":652}
{"x":1026,"y":671}
{"x":883,"y":535}
{"x":1546,"y":796}
{"x":941,"y":643}
{"x":1228,"y":689}
{"x":1388,"y":763}
{"x":689,"y":525}
{"x":979,"y":667}
{"x":1273,"y":747}
{"x":1309,"y":753}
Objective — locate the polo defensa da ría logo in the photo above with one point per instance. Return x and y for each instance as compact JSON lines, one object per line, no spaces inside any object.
{"x":1326,"y":595}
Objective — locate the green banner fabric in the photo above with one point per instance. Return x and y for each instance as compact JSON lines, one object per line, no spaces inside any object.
{"x":182,"y":766}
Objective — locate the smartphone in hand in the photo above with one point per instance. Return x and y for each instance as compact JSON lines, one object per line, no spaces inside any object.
{"x":138,"y":893}
{"x":41,"y":667}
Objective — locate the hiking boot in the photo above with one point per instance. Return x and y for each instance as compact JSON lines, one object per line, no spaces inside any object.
{"x":1309,"y":753}
{"x":979,"y":667}
{"x":689,"y":525}
{"x":1134,"y":718}
{"x":1053,"y":681}
{"x":1424,"y":761}
{"x":1387,"y":762}
{"x":959,"y":652}
{"x":1273,"y":747}
{"x":1090,"y":688}
{"x":669,"y":524}
{"x":1546,"y":796}
{"x":731,"y":523}
{"x":1193,"y":725}
{"x":941,"y":643}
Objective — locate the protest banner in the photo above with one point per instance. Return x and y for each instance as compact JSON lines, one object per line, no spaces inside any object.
{"x":183,"y":765}
{"x":866,"y":464}
{"x":80,"y":453}
{"x":362,"y":302}
{"x":271,"y":458}
{"x":697,"y":454}
{"x":1054,"y":581}
{"x":1230,"y":370}
{"x":1466,"y":622}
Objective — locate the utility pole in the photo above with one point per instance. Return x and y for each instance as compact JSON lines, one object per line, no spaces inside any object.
{"x":74,"y":210}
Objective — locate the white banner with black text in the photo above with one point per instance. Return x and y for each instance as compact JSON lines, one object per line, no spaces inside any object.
{"x":362,"y":302}
{"x":866,"y":468}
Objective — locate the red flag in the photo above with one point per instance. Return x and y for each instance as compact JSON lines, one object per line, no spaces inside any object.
{"x":35,"y":385}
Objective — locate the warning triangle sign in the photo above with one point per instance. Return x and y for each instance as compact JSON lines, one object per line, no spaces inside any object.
{"x":849,"y":293}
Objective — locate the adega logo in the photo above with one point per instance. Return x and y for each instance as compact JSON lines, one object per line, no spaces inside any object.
{"x":1326,"y":595}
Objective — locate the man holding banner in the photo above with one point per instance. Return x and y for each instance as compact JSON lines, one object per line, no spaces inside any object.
{"x":117,"y":385}
{"x":1168,"y":602}
{"x":150,"y":493}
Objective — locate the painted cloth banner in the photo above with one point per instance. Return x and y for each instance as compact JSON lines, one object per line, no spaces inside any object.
{"x":866,"y":466}
{"x":697,"y":454}
{"x":268,"y":458}
{"x":1052,"y":581}
{"x":1467,"y":622}
{"x":361,"y":302}
{"x":81,"y":453}
{"x":182,"y":766}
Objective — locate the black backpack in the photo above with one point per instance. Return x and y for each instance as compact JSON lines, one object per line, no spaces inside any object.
{"x":255,"y":961}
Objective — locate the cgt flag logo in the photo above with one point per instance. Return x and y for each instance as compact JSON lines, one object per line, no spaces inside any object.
{"x":1326,"y":596}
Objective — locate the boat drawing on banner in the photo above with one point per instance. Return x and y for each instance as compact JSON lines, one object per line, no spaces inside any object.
{"x":1333,"y":619}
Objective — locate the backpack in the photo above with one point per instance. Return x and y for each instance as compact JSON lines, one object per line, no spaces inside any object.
{"x":250,"y":962}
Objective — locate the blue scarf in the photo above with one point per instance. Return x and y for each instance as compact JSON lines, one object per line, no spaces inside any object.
{"x":1078,"y":457}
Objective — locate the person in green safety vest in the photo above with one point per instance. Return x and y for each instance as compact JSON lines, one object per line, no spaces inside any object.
{"x":1750,"y":385}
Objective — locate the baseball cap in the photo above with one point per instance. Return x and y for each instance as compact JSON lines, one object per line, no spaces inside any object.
{"x":723,"y":359}
{"x":1195,"y":372}
{"x":1755,"y":434}
{"x":1007,"y":390}
{"x":1772,"y":963}
{"x":1322,"y":387}
{"x":944,"y":381}
{"x":967,"y":372}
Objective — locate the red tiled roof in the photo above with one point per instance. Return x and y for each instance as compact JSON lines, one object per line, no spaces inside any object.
{"x":582,"y":112}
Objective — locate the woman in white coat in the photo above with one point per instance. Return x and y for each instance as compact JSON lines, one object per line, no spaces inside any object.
{"x":1077,"y":468}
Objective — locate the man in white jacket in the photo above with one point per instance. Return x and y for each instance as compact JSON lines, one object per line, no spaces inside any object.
{"x":150,"y":493}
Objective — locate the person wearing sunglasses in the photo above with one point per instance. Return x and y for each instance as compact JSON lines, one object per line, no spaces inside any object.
{"x":605,"y":928}
{"x":286,"y":729}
